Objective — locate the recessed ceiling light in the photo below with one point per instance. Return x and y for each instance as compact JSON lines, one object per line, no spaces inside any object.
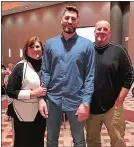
{"x":26,"y":7}
{"x":40,"y":4}
{"x":13,"y":10}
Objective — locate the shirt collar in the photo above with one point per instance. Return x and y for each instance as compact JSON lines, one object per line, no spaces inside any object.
{"x":103,"y":47}
{"x":74,"y":37}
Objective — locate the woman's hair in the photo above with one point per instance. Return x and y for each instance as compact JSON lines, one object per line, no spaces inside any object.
{"x":29,"y":43}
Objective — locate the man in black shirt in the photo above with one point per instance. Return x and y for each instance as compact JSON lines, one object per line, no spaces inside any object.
{"x":113,"y":79}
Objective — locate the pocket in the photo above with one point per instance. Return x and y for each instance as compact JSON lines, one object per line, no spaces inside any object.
{"x":117,"y":115}
{"x":118,"y":121}
{"x":118,"y":110}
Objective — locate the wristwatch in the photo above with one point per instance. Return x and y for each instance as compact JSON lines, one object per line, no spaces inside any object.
{"x":86,"y":105}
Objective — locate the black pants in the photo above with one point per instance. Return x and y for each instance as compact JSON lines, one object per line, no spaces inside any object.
{"x":133,"y":92}
{"x":30,"y":134}
{"x":3,"y":90}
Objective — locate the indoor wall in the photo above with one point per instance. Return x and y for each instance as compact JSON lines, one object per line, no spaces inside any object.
{"x":131,"y":33}
{"x":45,"y":23}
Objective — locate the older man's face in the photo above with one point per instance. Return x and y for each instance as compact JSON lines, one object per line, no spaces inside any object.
{"x":102,"y":33}
{"x":69,"y":22}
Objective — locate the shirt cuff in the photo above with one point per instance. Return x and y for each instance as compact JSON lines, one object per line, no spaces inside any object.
{"x":86,"y":100}
{"x":24,"y":95}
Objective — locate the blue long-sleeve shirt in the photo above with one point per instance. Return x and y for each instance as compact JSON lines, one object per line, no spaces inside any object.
{"x":68,"y":71}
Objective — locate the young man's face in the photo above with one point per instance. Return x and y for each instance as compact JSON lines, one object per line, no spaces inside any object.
{"x":102,"y":33}
{"x":69,"y":22}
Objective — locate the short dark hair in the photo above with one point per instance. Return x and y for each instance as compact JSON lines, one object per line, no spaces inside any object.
{"x":71,"y":8}
{"x":29,"y":43}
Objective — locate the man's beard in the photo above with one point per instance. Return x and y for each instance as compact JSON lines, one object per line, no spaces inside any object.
{"x":69,"y":30}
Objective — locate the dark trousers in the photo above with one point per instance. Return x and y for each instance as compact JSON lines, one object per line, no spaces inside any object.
{"x":3,"y":90}
{"x":133,"y":92}
{"x":29,"y":134}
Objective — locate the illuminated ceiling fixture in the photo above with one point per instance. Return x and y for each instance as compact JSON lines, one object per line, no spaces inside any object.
{"x":21,"y":53}
{"x":9,"y":52}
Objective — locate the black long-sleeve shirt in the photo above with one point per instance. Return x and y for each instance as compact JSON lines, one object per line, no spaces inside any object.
{"x":113,"y":70}
{"x":23,"y":79}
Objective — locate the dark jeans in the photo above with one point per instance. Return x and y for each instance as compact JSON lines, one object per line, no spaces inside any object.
{"x":54,"y":124}
{"x":29,"y":134}
{"x":133,"y":92}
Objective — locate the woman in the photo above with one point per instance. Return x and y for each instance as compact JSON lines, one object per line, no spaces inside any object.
{"x":24,"y":89}
{"x":3,"y":74}
{"x":9,"y":70}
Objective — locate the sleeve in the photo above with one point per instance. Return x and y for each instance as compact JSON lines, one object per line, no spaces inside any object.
{"x":15,"y":83}
{"x":126,"y":69}
{"x":45,"y":68}
{"x":89,"y":74}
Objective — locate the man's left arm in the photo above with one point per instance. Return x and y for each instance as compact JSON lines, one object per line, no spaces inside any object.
{"x":89,"y":75}
{"x":89,"y":62}
{"x":128,"y":77}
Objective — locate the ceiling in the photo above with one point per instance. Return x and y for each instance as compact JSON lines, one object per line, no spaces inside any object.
{"x":20,"y":6}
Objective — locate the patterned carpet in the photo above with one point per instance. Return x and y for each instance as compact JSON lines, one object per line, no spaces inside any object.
{"x":65,"y":139}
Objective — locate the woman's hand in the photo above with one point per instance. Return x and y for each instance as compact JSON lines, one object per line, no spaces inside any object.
{"x":38,"y":92}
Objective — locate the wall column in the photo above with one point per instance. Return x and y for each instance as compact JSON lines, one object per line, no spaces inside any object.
{"x":116,"y":22}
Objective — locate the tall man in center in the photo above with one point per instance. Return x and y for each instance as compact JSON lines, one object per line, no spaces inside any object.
{"x":68,"y":74}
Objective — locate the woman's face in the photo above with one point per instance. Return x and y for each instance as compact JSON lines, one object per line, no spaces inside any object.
{"x":10,"y":66}
{"x":35,"y":51}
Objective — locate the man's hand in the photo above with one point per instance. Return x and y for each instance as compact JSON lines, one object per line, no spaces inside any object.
{"x":43,"y":108}
{"x":121,"y":97}
{"x":118,"y":102}
{"x":82,"y":112}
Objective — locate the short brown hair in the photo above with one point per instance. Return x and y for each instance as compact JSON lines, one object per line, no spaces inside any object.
{"x":71,"y":8}
{"x":29,"y":43}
